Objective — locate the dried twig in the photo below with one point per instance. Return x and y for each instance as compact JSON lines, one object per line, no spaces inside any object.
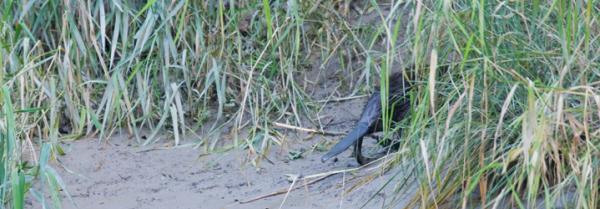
{"x":342,"y":99}
{"x":282,"y":125}
{"x":319,"y":177}
{"x":285,"y":190}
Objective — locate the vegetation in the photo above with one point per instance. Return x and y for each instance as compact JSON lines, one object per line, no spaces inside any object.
{"x":515,"y":117}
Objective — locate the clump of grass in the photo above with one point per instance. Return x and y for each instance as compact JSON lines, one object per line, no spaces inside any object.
{"x":514,"y":119}
{"x":16,"y":173}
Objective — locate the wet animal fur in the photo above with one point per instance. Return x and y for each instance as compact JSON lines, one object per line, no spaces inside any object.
{"x":371,"y":117}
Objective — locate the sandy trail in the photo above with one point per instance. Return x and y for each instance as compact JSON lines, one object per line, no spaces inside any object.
{"x":119,"y":175}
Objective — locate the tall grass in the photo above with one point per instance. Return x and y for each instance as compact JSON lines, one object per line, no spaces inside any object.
{"x":513,"y":119}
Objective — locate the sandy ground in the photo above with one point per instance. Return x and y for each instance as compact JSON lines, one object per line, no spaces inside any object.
{"x":121,"y":175}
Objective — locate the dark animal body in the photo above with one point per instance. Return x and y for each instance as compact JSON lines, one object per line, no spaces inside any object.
{"x":371,"y":118}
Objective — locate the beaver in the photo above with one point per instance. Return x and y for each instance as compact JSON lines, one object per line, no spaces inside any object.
{"x":371,"y":118}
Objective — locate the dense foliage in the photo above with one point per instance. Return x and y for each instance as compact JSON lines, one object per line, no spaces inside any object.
{"x":515,"y":117}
